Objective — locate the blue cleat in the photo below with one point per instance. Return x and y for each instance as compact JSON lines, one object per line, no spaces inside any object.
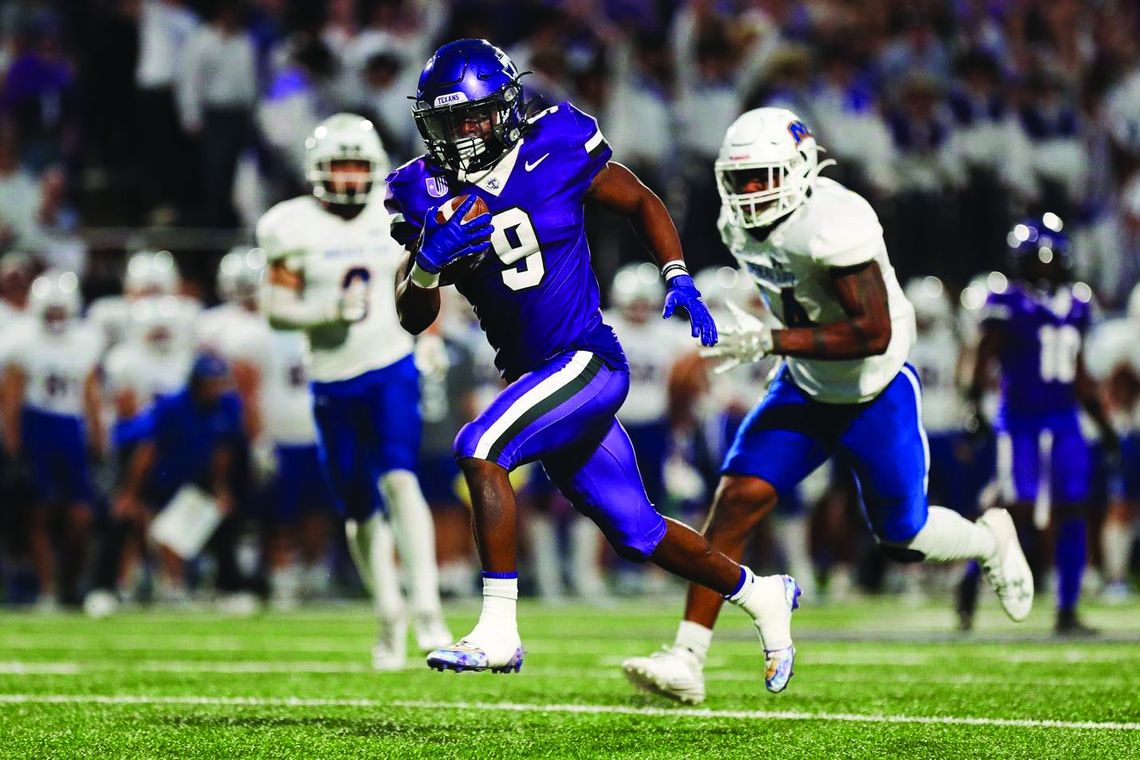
{"x":466,"y":656}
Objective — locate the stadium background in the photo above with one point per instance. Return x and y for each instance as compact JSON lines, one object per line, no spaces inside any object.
{"x":954,"y":119}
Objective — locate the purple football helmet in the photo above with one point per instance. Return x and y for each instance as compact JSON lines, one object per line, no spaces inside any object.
{"x":1040,"y":251}
{"x":468,"y":105}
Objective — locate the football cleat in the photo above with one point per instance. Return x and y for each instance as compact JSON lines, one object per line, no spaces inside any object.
{"x":675,"y":673}
{"x":779,"y":663}
{"x":1069,"y":626}
{"x":1007,"y":571}
{"x":431,"y":632}
{"x":465,"y":655}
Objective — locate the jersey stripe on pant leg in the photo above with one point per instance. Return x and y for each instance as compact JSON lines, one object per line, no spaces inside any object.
{"x":552,"y":391}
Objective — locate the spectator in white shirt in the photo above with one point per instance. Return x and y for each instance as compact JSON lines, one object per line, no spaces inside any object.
{"x":217,"y":92}
{"x":164,"y":28}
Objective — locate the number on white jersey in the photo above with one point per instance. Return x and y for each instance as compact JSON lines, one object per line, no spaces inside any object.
{"x":514,"y":241}
{"x":1059,"y":349}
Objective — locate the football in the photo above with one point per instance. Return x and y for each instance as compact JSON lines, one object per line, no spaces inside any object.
{"x":455,"y":272}
{"x":447,"y":208}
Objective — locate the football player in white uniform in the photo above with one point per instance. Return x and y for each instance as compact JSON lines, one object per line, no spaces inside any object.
{"x":152,"y":362}
{"x":1113,"y":359}
{"x":51,"y":404}
{"x":148,"y":273}
{"x":817,"y":251}
{"x":332,"y":262}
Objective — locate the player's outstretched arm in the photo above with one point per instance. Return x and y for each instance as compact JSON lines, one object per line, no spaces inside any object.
{"x":862,"y":293}
{"x":417,"y":305}
{"x":617,"y":189}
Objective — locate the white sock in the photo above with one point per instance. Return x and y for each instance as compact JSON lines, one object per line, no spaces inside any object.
{"x":1117,"y":541}
{"x":415,"y":538}
{"x":500,"y":600}
{"x":695,"y":638}
{"x":371,"y":545}
{"x":585,"y":559}
{"x":765,"y":602}
{"x":545,"y":555}
{"x":947,"y":536}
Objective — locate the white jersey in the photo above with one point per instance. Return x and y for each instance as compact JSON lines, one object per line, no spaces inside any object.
{"x":56,"y":366}
{"x":1113,"y":346}
{"x":215,"y":323}
{"x":332,"y":255}
{"x":935,"y":357}
{"x":833,"y":228}
{"x":111,"y":316}
{"x":651,"y":348}
{"x":134,"y":366}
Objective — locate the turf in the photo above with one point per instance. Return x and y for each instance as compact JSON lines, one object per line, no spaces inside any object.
{"x":874,"y":679}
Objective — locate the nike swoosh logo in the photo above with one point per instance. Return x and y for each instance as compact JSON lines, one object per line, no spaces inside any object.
{"x":530,"y":167}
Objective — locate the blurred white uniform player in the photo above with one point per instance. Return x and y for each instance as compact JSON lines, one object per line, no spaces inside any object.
{"x":332,"y":264}
{"x":51,"y":404}
{"x":148,"y":273}
{"x":1112,"y":358}
{"x":816,"y":249}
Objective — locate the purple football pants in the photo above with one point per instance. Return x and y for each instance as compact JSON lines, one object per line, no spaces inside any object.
{"x":563,"y":415}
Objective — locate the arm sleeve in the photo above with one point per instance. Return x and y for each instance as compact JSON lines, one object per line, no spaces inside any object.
{"x":285,"y":308}
{"x":406,"y":220}
{"x":188,"y":88}
{"x":587,"y":145}
{"x":851,"y":235}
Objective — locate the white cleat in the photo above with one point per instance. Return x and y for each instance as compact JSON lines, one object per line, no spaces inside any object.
{"x":432,"y":632}
{"x":674,"y":673}
{"x":100,"y":603}
{"x":498,"y":652}
{"x":778,"y":663}
{"x":1008,"y":571}
{"x":391,"y":649}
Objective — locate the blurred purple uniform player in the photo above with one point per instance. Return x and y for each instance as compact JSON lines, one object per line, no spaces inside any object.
{"x":525,"y":268}
{"x":1034,"y":329}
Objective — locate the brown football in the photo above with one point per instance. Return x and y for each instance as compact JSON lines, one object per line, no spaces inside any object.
{"x":458,"y":270}
{"x":447,"y":208}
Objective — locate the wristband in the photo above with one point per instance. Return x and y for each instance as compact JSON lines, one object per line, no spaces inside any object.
{"x":422,"y":278}
{"x":674,"y":269}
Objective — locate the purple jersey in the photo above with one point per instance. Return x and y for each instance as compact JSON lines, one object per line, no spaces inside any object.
{"x":1042,"y":336}
{"x":536,"y":295}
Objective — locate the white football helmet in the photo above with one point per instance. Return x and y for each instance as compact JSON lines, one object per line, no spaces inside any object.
{"x":928,"y":297}
{"x":775,"y":149}
{"x":1134,"y":303}
{"x":719,"y":285}
{"x":54,"y":299}
{"x":154,"y":322}
{"x":151,"y":273}
{"x":344,"y":137}
{"x":637,"y":283}
{"x":239,"y":274}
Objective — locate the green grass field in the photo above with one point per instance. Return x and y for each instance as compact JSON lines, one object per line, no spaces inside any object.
{"x":874,"y":679}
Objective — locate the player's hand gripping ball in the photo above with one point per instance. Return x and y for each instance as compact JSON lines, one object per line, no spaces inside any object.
{"x":458,"y":229}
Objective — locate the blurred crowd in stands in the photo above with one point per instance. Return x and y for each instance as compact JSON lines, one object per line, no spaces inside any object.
{"x":953,"y":116}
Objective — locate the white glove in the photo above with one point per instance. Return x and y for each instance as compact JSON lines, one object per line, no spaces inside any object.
{"x":431,"y":356}
{"x":354,"y":301}
{"x":749,"y":340}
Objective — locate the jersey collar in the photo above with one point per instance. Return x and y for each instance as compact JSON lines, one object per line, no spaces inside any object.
{"x":493,"y":180}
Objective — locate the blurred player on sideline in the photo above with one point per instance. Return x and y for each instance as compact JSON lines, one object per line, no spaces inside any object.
{"x":1034,"y":329}
{"x":844,"y":389}
{"x":332,"y":262}
{"x":52,"y":420}
{"x":1113,"y":357}
{"x":147,"y":274}
{"x":151,"y":363}
{"x":525,"y":267}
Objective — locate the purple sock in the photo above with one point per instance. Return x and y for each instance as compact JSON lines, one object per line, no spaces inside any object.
{"x":1071,"y":542}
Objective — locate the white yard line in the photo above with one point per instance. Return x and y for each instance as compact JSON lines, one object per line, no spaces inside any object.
{"x":569,"y":708}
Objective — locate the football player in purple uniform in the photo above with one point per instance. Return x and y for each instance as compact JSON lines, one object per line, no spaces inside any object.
{"x":1034,"y":329}
{"x":525,"y":267}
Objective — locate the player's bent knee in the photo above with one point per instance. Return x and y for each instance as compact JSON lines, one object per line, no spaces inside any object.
{"x":636,"y":541}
